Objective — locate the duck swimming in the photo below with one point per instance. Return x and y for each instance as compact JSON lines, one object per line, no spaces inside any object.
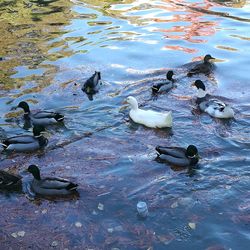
{"x":164,"y":86}
{"x":91,"y":86}
{"x":40,"y":118}
{"x":26,"y":143}
{"x":10,"y":182}
{"x":50,"y":185}
{"x":211,"y":105}
{"x":205,"y":67}
{"x":178,"y":156}
{"x":149,"y":118}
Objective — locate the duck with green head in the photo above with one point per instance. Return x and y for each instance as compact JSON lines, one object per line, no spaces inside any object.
{"x":50,"y":186}
{"x":26,"y":143}
{"x":178,"y":156}
{"x":44,"y":118}
{"x":164,"y":86}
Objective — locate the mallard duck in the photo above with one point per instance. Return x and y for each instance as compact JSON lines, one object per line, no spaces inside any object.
{"x":164,"y":86}
{"x":205,"y":67}
{"x":40,"y":118}
{"x":9,"y":181}
{"x":50,"y":185}
{"x":211,"y":105}
{"x":149,"y":118}
{"x":26,"y":143}
{"x":92,"y":85}
{"x":178,"y":156}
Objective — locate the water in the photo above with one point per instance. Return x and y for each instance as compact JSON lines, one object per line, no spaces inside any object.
{"x":48,"y":49}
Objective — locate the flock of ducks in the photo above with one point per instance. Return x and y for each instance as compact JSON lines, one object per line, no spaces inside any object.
{"x":178,"y":156}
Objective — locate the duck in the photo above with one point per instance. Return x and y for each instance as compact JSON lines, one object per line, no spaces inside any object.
{"x":211,"y":105}
{"x":44,"y":118}
{"x":9,"y":181}
{"x":178,"y":156}
{"x":148,"y":118}
{"x":50,"y":186}
{"x":205,"y":67}
{"x":91,"y":86}
{"x":164,"y":86}
{"x":26,"y":143}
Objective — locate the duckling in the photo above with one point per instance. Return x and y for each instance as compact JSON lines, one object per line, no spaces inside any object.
{"x":92,"y":85}
{"x":210,"y":105}
{"x":164,"y":86}
{"x":10,"y":182}
{"x":50,"y":185}
{"x":149,"y":118}
{"x":26,"y":143}
{"x":205,"y":67}
{"x":178,"y":156}
{"x":44,"y":118}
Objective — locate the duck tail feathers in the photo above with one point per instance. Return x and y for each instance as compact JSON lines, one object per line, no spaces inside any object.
{"x":72,"y":186}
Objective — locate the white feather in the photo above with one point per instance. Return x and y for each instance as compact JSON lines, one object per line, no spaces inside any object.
{"x":149,"y":118}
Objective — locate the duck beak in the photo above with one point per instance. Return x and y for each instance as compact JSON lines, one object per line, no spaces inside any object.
{"x":125,"y":102}
{"x":193,"y":84}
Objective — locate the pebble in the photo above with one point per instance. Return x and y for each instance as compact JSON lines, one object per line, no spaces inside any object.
{"x":100,"y":206}
{"x":54,"y":243}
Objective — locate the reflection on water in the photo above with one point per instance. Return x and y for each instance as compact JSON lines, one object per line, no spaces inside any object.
{"x":50,"y":48}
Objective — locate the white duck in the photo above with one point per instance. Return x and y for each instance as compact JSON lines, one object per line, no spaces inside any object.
{"x":149,"y":118}
{"x":207,"y":103}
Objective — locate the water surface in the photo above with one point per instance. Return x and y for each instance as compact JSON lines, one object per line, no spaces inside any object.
{"x":49,"y":48}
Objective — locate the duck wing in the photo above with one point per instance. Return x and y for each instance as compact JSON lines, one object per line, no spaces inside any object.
{"x":9,"y":181}
{"x":204,"y":68}
{"x":57,"y":183}
{"x":216,"y":104}
{"x":176,"y":161}
{"x":172,"y":151}
{"x":19,"y":139}
{"x":151,"y":118}
{"x":44,"y":114}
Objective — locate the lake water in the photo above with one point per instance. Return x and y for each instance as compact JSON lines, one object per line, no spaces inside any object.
{"x":49,"y":48}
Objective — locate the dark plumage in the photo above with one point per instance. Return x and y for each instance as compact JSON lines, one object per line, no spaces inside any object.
{"x":205,"y":67}
{"x":164,"y":86}
{"x":51,"y":186}
{"x":10,"y":182}
{"x":178,"y":156}
{"x":26,"y":143}
{"x":42,"y":117}
{"x":92,"y":85}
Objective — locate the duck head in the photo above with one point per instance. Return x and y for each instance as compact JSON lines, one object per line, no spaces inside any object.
{"x":191,"y":152}
{"x":207,"y":58}
{"x":169,"y":75}
{"x":34,"y":170}
{"x":199,"y":85}
{"x":24,"y":106}
{"x":132,"y":102}
{"x":59,"y":117}
{"x":38,"y":130}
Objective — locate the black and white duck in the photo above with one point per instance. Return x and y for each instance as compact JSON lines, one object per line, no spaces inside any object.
{"x":211,"y":105}
{"x":26,"y":143}
{"x":10,"y":182}
{"x":44,"y":118}
{"x":205,"y":67}
{"x":50,"y":186}
{"x":164,"y":86}
{"x":92,"y":85}
{"x":178,"y":156}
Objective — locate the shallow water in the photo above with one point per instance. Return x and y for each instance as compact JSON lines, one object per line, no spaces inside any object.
{"x":49,"y":48}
